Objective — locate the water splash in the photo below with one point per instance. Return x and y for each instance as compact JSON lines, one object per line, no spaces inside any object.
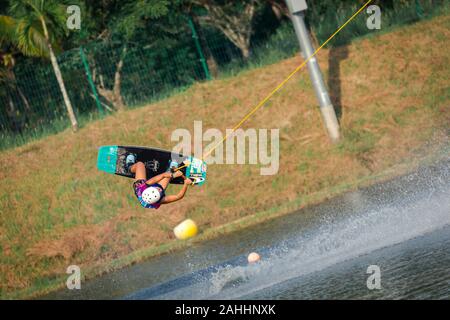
{"x":362,"y":222}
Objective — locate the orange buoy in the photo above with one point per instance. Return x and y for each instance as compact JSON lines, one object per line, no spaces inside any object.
{"x":253,"y":257}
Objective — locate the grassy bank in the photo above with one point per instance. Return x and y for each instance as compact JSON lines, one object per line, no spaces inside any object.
{"x":393,"y":95}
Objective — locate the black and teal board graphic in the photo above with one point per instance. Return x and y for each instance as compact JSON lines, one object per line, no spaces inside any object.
{"x":111,"y":159}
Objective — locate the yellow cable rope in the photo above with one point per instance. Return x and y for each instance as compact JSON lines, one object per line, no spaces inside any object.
{"x":262,"y":102}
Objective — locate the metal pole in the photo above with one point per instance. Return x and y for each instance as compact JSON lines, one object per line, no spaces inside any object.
{"x":199,"y":49}
{"x":91,"y":82}
{"x":297,"y":8}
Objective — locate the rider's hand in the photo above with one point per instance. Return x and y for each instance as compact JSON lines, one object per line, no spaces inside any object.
{"x":187,"y":181}
{"x":177,"y":174}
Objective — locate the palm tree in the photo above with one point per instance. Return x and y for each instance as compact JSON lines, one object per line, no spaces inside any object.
{"x":34,"y":26}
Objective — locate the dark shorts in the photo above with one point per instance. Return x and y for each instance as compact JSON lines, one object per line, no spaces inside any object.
{"x":139,"y":186}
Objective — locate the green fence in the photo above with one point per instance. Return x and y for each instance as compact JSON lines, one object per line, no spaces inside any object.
{"x":31,"y":101}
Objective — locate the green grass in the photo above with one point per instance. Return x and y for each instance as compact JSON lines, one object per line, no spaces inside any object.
{"x":357,"y":141}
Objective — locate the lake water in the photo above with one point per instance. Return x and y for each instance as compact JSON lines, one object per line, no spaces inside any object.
{"x":322,"y":252}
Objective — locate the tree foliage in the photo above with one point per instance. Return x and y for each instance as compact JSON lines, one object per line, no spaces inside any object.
{"x":234,"y":19}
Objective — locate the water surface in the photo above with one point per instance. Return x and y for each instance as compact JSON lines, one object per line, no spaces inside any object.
{"x":321,"y":252}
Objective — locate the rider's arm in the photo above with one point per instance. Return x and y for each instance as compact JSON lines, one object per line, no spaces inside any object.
{"x":180,"y":195}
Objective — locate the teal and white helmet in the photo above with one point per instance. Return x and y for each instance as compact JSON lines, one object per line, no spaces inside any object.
{"x":151,"y":195}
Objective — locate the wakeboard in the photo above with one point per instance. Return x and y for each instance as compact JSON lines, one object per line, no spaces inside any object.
{"x":112,"y":159}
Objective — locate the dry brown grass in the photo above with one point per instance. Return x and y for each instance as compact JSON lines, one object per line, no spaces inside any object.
{"x":395,"y":100}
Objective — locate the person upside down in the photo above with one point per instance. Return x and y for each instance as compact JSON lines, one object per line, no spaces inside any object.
{"x":151,"y":193}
